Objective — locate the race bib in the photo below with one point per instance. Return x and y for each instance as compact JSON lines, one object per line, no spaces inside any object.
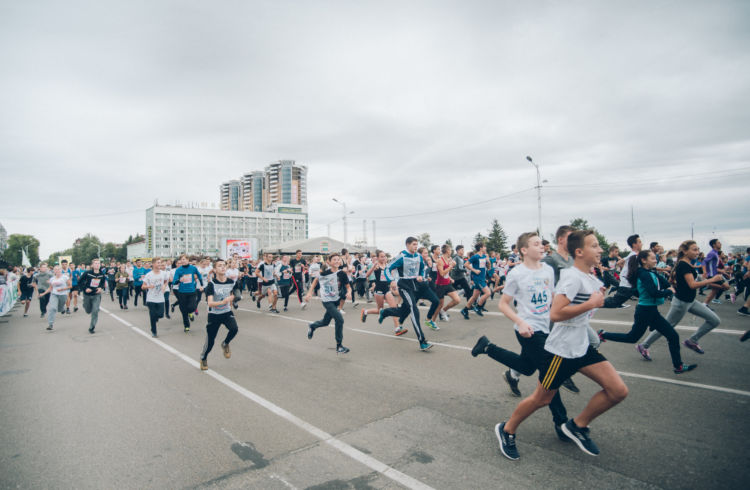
{"x":122,"y":280}
{"x":95,"y":283}
{"x":186,"y":279}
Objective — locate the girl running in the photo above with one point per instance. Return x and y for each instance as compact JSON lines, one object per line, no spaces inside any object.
{"x":382,"y":292}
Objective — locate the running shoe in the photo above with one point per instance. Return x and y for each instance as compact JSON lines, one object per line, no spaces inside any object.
{"x":624,"y":305}
{"x":600,"y":333}
{"x":273,"y":310}
{"x":716,"y":301}
{"x":569,"y":385}
{"x":286,"y":309}
{"x":643,"y":352}
{"x":742,"y":311}
{"x":745,"y":336}
{"x":431,"y":324}
{"x":75,"y":309}
{"x":91,"y":330}
{"x":171,"y":308}
{"x":234,"y":303}
{"x":381,"y":316}
{"x":227,"y":352}
{"x":444,"y":317}
{"x":684,"y":368}
{"x":424,"y":346}
{"x":187,"y":329}
{"x":204,"y":365}
{"x":512,"y":383}
{"x":560,"y":434}
{"x":340,"y":349}
{"x":363,"y":315}
{"x":42,"y":315}
{"x":483,"y":308}
{"x":125,"y":307}
{"x":196,"y":312}
{"x":257,"y":303}
{"x":507,"y":442}
{"x":694,"y":346}
{"x":67,"y":311}
{"x":580,"y":435}
{"x":191,"y":316}
{"x":478,"y":311}
{"x":310,"y":331}
{"x":342,"y":312}
{"x":400,"y":331}
{"x":154,"y":336}
{"x":481,"y":346}
{"x":49,"y":327}
{"x":465,"y":313}
{"x":25,"y":315}
{"x":303,"y":305}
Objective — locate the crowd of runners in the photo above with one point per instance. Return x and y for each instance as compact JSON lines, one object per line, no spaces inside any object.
{"x":550,"y":292}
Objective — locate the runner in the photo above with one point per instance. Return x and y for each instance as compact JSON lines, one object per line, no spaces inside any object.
{"x":711,"y":266}
{"x":330,"y":281}
{"x":444,"y":283}
{"x":75,"y":275}
{"x":299,"y":265}
{"x":426,"y":290}
{"x":625,"y":290}
{"x":478,"y":266}
{"x":138,"y":272}
{"x":684,"y":278}
{"x":410,"y":268}
{"x":59,"y":285}
{"x":267,"y":279}
{"x":41,"y":284}
{"x":67,"y":271}
{"x":187,"y":277}
{"x":284,"y":280}
{"x":92,"y":283}
{"x":382,"y":292}
{"x":204,"y":269}
{"x":26,"y":289}
{"x":577,"y":296}
{"x":122,"y":280}
{"x":170,"y":275}
{"x":315,"y":273}
{"x":459,"y":273}
{"x":155,"y":283}
{"x":111,"y":284}
{"x":219,"y":297}
{"x":233,"y":274}
{"x":652,"y":290}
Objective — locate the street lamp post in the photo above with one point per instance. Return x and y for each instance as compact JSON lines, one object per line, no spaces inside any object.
{"x":538,"y":194}
{"x":344,"y":218}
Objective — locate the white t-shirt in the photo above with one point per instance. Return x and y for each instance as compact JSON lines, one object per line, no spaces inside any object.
{"x":624,"y":273}
{"x":203,"y":271}
{"x":532,"y":290}
{"x":233,"y":274}
{"x":314,"y":269}
{"x":157,"y":280}
{"x":57,"y":283}
{"x":570,"y":338}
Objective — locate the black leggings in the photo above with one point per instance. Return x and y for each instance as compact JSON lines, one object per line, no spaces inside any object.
{"x":298,"y":280}
{"x":332,"y":313}
{"x":155,"y":312}
{"x":424,"y":291}
{"x":408,"y":308}
{"x":212,"y":329}
{"x":139,"y":292}
{"x":187,"y":306}
{"x":462,"y":284}
{"x":532,"y":358}
{"x":649,"y":316}
{"x":285,"y":292}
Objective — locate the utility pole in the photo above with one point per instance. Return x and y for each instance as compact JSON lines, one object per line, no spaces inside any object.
{"x":344,"y":218}
{"x":632,"y":220}
{"x":538,"y":195}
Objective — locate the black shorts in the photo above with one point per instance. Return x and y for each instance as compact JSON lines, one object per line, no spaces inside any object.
{"x":443,"y":290}
{"x":556,"y":369}
{"x":73,"y":289}
{"x":382,"y":288}
{"x":26,"y":296}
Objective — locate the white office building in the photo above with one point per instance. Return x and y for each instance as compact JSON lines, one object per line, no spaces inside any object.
{"x":173,"y":230}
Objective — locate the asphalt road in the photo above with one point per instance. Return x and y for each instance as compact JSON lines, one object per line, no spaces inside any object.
{"x":118,"y":409}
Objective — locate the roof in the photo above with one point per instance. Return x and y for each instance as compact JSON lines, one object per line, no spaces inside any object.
{"x":318,"y":245}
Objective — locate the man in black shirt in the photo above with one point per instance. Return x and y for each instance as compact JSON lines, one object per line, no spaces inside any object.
{"x":26,"y":289}
{"x":91,"y":283}
{"x":299,"y":267}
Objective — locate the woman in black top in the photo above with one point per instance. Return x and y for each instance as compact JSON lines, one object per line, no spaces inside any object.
{"x":684,"y":279}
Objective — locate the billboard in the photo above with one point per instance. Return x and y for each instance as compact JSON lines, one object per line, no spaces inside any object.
{"x":245,"y":248}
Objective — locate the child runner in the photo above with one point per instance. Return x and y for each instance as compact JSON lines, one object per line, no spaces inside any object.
{"x":41,"y":284}
{"x":444,"y":283}
{"x":577,"y":296}
{"x":530,"y":285}
{"x":122,"y":278}
{"x":187,"y":277}
{"x":299,"y":265}
{"x":684,"y":278}
{"x":57,"y":292}
{"x":92,"y":284}
{"x":410,"y":268}
{"x":138,"y":272}
{"x":26,"y":289}
{"x":267,"y":286}
{"x":219,"y":296}
{"x":652,"y":289}
{"x":382,"y":292}
{"x":330,"y":283}
{"x":155,"y":283}
{"x":478,"y":266}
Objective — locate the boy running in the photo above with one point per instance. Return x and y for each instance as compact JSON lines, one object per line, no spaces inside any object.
{"x":219,"y":297}
{"x":331,"y":280}
{"x":92,"y":284}
{"x":577,"y":296}
{"x":155,"y":283}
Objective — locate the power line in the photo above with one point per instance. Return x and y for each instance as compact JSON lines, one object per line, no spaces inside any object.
{"x":67,"y":217}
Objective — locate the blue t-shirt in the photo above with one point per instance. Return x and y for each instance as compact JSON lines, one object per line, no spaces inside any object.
{"x":479,"y":262}
{"x":138,"y":272}
{"x":185,"y":277}
{"x":75,"y":275}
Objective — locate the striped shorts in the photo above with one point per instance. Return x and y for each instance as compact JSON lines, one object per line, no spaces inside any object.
{"x":556,"y":369}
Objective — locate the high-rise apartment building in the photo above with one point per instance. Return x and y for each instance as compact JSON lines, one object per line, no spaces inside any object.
{"x":282,"y":183}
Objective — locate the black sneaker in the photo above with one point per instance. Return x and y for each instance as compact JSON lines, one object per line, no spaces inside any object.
{"x":507,"y":442}
{"x":569,"y":385}
{"x":465,"y":313}
{"x":340,"y":349}
{"x":684,"y":368}
{"x":172,"y":308}
{"x":743,"y":311}
{"x":560,"y":434}
{"x":512,"y":383}
{"x":310,"y":330}
{"x":580,"y":435}
{"x":91,"y":330}
{"x":481,"y":346}
{"x":257,"y":303}
{"x":478,"y":311}
{"x":273,"y":310}
{"x":745,"y":336}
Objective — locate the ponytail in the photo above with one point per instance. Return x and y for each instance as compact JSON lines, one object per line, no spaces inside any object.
{"x":684,"y":247}
{"x":634,"y":264}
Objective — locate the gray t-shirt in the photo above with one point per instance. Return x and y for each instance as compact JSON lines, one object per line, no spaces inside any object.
{"x":557,"y":263}
{"x":42,"y":280}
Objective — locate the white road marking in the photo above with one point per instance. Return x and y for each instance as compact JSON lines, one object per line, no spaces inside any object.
{"x":622,"y":373}
{"x":327,"y":438}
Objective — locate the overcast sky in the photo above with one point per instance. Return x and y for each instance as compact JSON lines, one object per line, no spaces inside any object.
{"x":397,"y":108}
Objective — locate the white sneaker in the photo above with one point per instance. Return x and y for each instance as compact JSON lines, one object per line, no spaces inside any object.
{"x":444,"y":317}
{"x":303,"y":305}
{"x":342,"y":312}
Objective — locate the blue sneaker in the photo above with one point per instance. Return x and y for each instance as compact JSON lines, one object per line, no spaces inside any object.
{"x":431,"y":324}
{"x":507,"y":442}
{"x":310,"y":330}
{"x":425,"y":346}
{"x":380,"y":317}
{"x":580,"y":435}
{"x":478,"y":311}
{"x":465,"y":313}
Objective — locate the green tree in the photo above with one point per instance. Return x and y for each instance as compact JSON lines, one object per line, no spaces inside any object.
{"x":479,"y":238}
{"x":86,"y":249}
{"x":424,"y":240}
{"x":582,"y":224}
{"x":497,"y":241}
{"x":449,"y":242}
{"x":16,"y":243}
